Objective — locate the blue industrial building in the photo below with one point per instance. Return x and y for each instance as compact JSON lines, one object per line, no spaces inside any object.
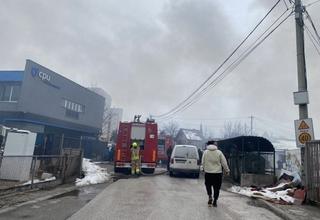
{"x":60,"y":111}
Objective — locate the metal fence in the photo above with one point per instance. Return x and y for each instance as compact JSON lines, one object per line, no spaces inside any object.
{"x":251,"y":163}
{"x":288,"y":159}
{"x":34,"y":169}
{"x":312,"y":170}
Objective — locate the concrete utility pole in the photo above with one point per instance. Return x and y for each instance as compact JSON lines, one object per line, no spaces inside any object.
{"x":302,"y":75}
{"x":301,"y":61}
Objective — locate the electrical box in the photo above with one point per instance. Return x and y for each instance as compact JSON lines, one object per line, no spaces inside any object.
{"x":301,"y":98}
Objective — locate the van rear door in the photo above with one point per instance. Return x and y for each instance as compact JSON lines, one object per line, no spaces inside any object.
{"x":186,"y":157}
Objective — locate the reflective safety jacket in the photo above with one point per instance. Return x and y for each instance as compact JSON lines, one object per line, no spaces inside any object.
{"x":135,"y":153}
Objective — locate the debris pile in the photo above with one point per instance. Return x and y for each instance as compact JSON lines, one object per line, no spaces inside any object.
{"x":288,"y":191}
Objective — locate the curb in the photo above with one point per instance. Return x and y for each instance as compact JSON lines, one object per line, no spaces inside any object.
{"x":274,"y":209}
{"x":267,"y":205}
{"x":70,"y":189}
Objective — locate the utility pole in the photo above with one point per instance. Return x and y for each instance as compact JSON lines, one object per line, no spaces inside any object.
{"x":301,"y":61}
{"x":302,"y":75}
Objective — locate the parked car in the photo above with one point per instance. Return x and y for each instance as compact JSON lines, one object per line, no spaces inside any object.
{"x":185,"y":159}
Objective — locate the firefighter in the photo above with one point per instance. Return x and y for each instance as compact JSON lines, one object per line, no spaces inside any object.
{"x":135,"y":158}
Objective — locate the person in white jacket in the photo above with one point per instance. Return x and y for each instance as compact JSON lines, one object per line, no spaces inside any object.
{"x":214,"y":163}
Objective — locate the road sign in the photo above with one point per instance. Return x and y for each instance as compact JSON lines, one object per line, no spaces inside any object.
{"x":304,"y":131}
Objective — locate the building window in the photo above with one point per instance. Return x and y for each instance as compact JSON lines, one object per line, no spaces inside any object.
{"x":9,"y":92}
{"x":72,"y":114}
{"x":73,"y":109}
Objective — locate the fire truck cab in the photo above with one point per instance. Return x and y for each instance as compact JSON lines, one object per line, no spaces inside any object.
{"x":146,"y":135}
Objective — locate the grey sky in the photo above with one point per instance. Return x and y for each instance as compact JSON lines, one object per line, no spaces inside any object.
{"x":149,"y":55}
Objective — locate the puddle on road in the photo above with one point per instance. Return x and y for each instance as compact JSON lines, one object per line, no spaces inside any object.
{"x":87,"y":193}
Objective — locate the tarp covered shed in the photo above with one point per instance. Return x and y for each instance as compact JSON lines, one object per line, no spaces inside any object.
{"x":248,"y":154}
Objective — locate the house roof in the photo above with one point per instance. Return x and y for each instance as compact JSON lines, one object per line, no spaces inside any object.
{"x":192,"y":134}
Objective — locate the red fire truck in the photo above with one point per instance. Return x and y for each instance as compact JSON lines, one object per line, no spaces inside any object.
{"x":163,"y":144}
{"x":146,"y":135}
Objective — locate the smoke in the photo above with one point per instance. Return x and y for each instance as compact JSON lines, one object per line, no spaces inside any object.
{"x":149,"y":56}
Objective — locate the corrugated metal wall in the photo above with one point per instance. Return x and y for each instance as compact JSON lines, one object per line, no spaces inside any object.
{"x":312,"y":170}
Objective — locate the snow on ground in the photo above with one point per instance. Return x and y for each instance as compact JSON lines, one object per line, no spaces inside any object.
{"x":39,"y":181}
{"x":94,"y":174}
{"x":266,"y":193}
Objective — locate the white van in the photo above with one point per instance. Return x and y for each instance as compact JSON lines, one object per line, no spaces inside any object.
{"x":185,"y":159}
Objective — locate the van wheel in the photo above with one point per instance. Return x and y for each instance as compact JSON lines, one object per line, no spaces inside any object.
{"x":196,"y":175}
{"x":171,"y":173}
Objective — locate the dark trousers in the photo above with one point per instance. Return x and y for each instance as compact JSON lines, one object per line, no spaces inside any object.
{"x":213,"y":180}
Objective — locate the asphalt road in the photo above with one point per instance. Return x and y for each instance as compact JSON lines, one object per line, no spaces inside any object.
{"x":58,"y":208}
{"x":162,"y":197}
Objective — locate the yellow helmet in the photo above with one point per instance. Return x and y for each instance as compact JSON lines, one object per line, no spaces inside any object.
{"x":134,"y":144}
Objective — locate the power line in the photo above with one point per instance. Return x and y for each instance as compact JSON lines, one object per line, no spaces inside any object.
{"x":245,"y":54}
{"x":221,"y":65}
{"x":312,"y":38}
{"x":312,"y":25}
{"x":312,"y":3}
{"x":284,"y":1}
{"x":231,"y":67}
{"x":273,"y":123}
{"x":222,"y":76}
{"x":212,"y":119}
{"x":317,"y":42}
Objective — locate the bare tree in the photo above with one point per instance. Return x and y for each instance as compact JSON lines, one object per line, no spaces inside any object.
{"x":113,"y":137}
{"x":171,"y":128}
{"x":106,"y":122}
{"x":207,"y":134}
{"x":235,"y":129}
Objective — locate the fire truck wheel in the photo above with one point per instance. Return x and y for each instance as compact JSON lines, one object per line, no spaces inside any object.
{"x":116,"y":170}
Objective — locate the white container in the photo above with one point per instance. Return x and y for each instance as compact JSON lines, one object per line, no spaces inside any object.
{"x":18,"y":143}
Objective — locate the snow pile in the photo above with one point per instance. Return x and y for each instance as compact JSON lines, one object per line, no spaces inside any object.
{"x":264,"y":193}
{"x":39,"y":181}
{"x":93,"y":174}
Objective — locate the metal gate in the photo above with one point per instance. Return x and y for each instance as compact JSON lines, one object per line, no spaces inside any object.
{"x":312,"y":165}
